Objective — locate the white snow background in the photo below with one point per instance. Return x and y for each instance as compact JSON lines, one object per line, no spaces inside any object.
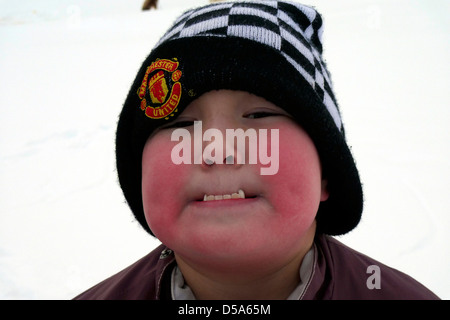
{"x":66,"y":67}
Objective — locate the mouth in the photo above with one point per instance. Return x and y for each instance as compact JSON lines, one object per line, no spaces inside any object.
{"x":240,"y":194}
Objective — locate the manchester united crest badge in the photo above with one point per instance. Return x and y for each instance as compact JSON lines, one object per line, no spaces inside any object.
{"x":160,"y":90}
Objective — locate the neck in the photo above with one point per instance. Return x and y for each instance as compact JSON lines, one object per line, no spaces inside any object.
{"x":274,"y":282}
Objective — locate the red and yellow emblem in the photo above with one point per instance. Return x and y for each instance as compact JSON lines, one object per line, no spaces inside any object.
{"x":160,"y":90}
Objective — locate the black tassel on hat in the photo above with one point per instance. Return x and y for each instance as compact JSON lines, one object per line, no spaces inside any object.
{"x":272,"y":49}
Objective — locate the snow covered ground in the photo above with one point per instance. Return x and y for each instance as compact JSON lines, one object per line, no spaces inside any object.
{"x":66,"y":67}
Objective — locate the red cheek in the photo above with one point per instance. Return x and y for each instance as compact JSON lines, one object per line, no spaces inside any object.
{"x":296,"y":186}
{"x":162,"y":185}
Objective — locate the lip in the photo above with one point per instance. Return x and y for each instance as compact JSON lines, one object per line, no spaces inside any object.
{"x":221,"y":211}
{"x":199,"y":195}
{"x":226,"y":213}
{"x":221,"y":184}
{"x":225,"y":202}
{"x":231,"y":208}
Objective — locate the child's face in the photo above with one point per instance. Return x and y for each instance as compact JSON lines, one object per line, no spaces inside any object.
{"x":274,"y":221}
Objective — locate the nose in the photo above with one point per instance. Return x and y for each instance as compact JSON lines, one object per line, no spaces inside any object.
{"x":219,"y":145}
{"x":209,"y":161}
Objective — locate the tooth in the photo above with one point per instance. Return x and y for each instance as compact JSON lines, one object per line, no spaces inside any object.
{"x":237,"y":195}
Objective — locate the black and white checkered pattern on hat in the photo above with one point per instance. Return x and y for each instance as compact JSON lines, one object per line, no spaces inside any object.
{"x":293,"y":29}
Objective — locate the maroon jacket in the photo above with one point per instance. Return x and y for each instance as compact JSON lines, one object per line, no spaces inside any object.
{"x":339,"y":272}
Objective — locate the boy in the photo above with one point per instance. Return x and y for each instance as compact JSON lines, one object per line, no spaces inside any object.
{"x":231,"y":230}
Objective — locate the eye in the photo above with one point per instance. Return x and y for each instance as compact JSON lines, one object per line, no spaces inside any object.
{"x":179,"y":124}
{"x":261,"y":114}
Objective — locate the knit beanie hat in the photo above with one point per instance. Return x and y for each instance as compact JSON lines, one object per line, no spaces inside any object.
{"x":271,"y":49}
